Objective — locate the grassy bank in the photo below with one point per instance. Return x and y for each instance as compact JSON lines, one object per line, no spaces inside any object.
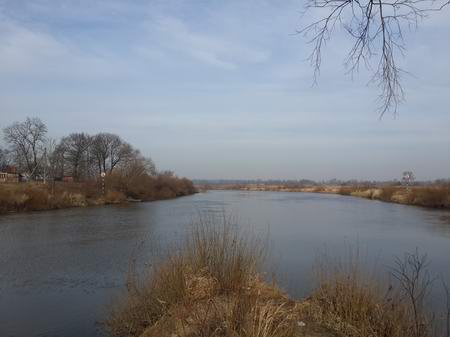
{"x":433,"y":196}
{"x":38,"y":196}
{"x":425,"y":196}
{"x":213,"y":287}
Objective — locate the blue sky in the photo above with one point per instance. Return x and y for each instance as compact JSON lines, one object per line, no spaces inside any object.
{"x":221,"y":89}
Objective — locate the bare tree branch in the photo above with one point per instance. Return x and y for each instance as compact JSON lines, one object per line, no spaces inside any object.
{"x":376,"y":29}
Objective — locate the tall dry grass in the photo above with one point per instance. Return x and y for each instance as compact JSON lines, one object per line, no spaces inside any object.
{"x":427,"y":196}
{"x":437,"y":196}
{"x":39,"y":196}
{"x":149,"y":188}
{"x":352,"y":301}
{"x":209,"y":287}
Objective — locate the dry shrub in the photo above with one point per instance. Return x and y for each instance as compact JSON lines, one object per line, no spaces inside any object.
{"x":209,"y":287}
{"x":114,"y":197}
{"x":429,"y":196}
{"x":272,"y":319}
{"x":230,"y":257}
{"x":350,"y":302}
{"x":346,"y":190}
{"x":37,"y":196}
{"x":26,"y":197}
{"x":9,"y":200}
{"x":387,"y":193}
{"x":319,"y":189}
{"x":147,"y":187}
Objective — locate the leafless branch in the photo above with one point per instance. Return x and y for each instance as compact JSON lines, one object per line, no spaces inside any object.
{"x":411,"y":272}
{"x":376,"y":29}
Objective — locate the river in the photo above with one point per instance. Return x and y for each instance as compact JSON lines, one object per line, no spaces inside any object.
{"x":60,"y":270}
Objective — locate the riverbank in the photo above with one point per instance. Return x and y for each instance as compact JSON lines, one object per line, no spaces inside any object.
{"x":213,"y":287}
{"x":433,"y":196}
{"x":22,"y":197}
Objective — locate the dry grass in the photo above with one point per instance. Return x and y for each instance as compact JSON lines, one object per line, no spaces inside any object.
{"x":346,"y":190}
{"x":148,"y":188}
{"x":350,"y":302}
{"x":387,"y":193}
{"x":437,"y":197}
{"x":426,"y":196}
{"x":38,"y":196}
{"x":211,"y":288}
{"x":208,"y":288}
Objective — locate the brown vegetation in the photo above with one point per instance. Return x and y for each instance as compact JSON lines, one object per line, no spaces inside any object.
{"x":149,"y":188}
{"x":38,"y":196}
{"x":426,"y":196}
{"x":355,"y":303}
{"x":209,"y":288}
{"x":433,"y":195}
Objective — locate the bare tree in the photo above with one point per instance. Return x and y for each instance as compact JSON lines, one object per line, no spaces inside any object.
{"x":100,"y":150}
{"x":26,"y":140}
{"x":4,"y":159}
{"x":109,"y":151}
{"x":75,"y":153}
{"x":120,"y":151}
{"x":138,"y":165}
{"x":51,"y":161}
{"x":376,"y":28}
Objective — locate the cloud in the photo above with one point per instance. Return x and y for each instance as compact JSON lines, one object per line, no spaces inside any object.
{"x":176,"y":36}
{"x":34,"y":53}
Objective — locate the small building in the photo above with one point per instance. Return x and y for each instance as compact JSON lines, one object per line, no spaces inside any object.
{"x":6,"y":177}
{"x":11,"y":169}
{"x":67,"y":179}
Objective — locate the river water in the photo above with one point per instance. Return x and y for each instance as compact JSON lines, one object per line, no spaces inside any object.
{"x":61,"y":270}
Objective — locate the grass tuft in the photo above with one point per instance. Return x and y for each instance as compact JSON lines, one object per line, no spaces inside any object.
{"x":209,"y":287}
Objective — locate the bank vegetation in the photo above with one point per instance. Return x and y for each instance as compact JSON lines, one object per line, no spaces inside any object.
{"x":213,"y":286}
{"x":40,"y":173}
{"x":433,"y":195}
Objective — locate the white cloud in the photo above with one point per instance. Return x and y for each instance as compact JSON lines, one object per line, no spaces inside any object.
{"x":175,"y":36}
{"x":36,"y":53}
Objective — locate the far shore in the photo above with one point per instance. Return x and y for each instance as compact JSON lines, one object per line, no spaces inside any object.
{"x":37,"y":196}
{"x":432,"y":196}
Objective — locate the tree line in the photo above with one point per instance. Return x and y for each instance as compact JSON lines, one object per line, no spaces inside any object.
{"x":79,"y":155}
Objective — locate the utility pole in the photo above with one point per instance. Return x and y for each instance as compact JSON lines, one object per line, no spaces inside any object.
{"x":45,"y":165}
{"x":103,"y":174}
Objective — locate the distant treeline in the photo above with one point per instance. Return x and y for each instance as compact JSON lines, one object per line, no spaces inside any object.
{"x":308,"y":182}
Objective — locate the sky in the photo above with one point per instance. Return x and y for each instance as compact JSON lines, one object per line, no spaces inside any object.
{"x":222,"y":89}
